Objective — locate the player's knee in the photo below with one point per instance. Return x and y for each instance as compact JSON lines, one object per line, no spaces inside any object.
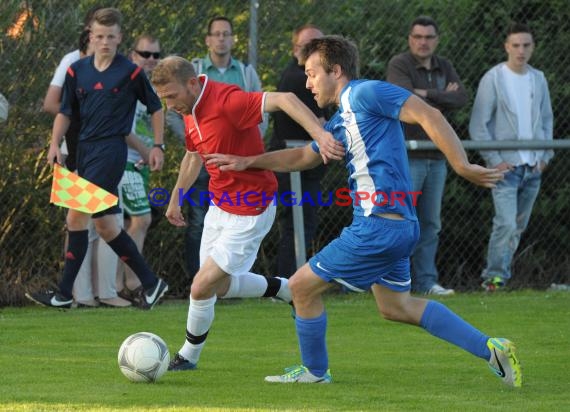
{"x":76,"y":222}
{"x":201,"y":288}
{"x":300,"y":290}
{"x":107,"y":233}
{"x":197,"y":289}
{"x":294,"y":285}
{"x":394,"y":313}
{"x":388,"y":313}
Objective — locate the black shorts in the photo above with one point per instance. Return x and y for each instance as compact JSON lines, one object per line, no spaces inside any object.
{"x":102,"y":162}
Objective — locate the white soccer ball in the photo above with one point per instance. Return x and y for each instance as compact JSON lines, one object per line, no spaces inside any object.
{"x":143,"y":357}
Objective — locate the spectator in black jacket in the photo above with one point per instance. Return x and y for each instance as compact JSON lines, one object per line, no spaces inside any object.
{"x":293,"y":79}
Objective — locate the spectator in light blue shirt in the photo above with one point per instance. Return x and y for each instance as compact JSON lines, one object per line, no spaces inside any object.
{"x":218,"y":64}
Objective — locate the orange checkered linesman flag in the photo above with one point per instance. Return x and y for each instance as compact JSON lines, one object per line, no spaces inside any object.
{"x":72,"y":191}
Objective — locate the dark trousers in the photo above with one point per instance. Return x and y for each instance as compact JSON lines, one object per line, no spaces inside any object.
{"x":310,"y":185}
{"x":195,"y":219}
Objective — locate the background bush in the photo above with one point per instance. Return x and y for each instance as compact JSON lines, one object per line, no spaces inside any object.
{"x":472,"y":35}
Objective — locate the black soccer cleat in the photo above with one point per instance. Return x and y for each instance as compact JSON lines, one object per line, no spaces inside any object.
{"x":50,"y":299}
{"x":178,"y":363}
{"x":152,"y":296}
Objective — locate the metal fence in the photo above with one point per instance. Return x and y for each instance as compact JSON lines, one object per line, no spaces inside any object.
{"x":35,"y":34}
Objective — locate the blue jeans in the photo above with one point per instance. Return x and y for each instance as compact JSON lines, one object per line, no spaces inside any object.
{"x":195,"y":220}
{"x":428,"y":176}
{"x":513,"y":199}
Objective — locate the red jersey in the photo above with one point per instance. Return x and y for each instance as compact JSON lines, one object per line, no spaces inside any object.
{"x":225,"y":120}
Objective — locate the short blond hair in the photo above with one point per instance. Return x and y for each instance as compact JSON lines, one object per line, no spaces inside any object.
{"x":172,"y":69}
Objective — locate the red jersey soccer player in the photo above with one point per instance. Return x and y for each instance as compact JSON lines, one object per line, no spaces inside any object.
{"x":221,"y":118}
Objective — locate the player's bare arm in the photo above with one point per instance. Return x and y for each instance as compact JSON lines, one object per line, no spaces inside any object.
{"x":296,"y":109}
{"x":286,"y":160}
{"x":60,"y":126}
{"x":189,"y":169}
{"x":438,"y":129}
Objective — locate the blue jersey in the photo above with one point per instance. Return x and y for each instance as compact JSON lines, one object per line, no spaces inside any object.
{"x":107,"y":99}
{"x":367,"y":124}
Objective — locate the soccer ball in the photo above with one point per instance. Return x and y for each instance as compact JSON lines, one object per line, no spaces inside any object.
{"x":143,"y":357}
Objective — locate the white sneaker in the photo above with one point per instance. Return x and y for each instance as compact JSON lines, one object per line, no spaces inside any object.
{"x":299,"y":374}
{"x":440,"y":291}
{"x":560,"y":286}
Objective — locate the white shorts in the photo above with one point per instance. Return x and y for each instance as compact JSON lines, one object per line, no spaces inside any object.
{"x":234,"y":240}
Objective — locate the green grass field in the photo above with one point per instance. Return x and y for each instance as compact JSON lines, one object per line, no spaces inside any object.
{"x":67,"y":360}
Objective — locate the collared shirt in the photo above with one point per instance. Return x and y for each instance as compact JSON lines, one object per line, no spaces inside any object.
{"x":405,"y":71}
{"x":367,"y":123}
{"x":225,"y":120}
{"x":232,"y":74}
{"x":106,"y":99}
{"x":242,"y":75}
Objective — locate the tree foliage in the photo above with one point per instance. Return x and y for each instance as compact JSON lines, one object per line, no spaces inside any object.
{"x":472,"y":35}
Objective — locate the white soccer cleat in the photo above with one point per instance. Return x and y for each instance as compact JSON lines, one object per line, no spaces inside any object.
{"x":299,"y":374}
{"x":504,"y":362}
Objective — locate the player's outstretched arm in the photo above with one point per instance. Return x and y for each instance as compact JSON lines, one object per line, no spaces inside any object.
{"x":289,"y":103}
{"x":482,"y":176}
{"x":439,"y":130}
{"x":286,"y":160}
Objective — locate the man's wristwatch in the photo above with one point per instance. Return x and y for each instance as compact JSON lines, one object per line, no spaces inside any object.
{"x":161,"y":146}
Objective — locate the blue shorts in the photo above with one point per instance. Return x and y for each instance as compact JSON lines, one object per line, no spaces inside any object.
{"x":372,"y":250}
{"x":103,"y":162}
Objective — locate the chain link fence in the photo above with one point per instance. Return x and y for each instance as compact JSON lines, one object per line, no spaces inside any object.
{"x":35,"y":34}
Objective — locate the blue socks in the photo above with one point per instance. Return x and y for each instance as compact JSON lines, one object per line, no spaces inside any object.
{"x":312,"y":333}
{"x":440,"y":321}
{"x":437,"y":319}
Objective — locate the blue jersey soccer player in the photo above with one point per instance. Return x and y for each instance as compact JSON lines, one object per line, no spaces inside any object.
{"x":105,"y":87}
{"x":374,"y":251}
